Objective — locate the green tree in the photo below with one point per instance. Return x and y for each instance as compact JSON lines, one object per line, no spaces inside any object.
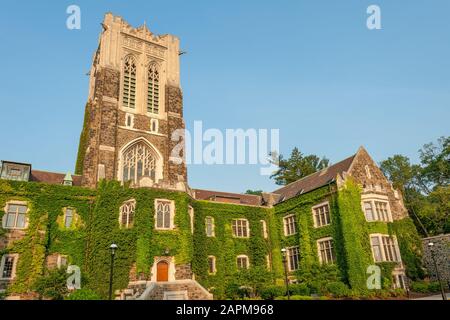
{"x":297,"y":166}
{"x":254,"y":192}
{"x":425,"y":186}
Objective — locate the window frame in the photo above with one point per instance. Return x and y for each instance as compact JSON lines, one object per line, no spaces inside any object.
{"x":247,"y":228}
{"x":213,"y":259}
{"x":15,"y":256}
{"x":330,"y":248}
{"x":265,"y":233}
{"x":243,"y":256}
{"x":127,"y":107}
{"x":16,"y":219}
{"x":373,"y":199}
{"x":65,"y":217}
{"x":285,"y":225}
{"x":128,"y":225}
{"x":153,"y":110}
{"x":393,"y":246}
{"x":213,"y":227}
{"x":171,"y":204}
{"x":318,"y":206}
{"x":290,"y":256}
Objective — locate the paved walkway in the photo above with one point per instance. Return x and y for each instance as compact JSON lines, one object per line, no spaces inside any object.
{"x":435,"y":297}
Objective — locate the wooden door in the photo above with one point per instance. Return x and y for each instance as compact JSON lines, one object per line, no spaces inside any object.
{"x":162,"y":271}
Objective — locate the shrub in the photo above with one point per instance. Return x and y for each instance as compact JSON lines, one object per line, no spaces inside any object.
{"x":301,"y":289}
{"x":338,"y":289}
{"x":83,"y":294}
{"x":425,"y":286}
{"x":53,"y":285}
{"x":270,"y":292}
{"x":295,"y":297}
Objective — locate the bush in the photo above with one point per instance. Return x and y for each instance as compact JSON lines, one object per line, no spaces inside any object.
{"x":295,"y":297}
{"x":269,"y":293}
{"x":338,"y":289}
{"x":83,"y":294}
{"x":53,"y":285}
{"x":425,"y":286}
{"x":301,"y":289}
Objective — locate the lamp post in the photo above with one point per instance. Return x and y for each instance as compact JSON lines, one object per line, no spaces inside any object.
{"x":113,"y":247}
{"x":431,"y":246}
{"x":286,"y":280}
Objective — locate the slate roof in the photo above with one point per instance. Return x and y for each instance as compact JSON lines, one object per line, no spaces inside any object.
{"x":227,"y":197}
{"x":52,"y":177}
{"x":315,"y":180}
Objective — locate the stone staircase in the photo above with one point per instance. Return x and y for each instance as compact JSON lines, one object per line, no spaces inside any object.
{"x":173,"y":290}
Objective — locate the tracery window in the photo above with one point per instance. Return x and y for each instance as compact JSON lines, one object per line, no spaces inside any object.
{"x":138,"y":161}
{"x":153,"y":89}
{"x":129,"y":83}
{"x":127,"y":213}
{"x":164,"y":215}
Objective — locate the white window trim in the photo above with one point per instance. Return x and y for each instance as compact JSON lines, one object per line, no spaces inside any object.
{"x":269,"y":262}
{"x":5,"y":210}
{"x":285,"y":225}
{"x":128,"y":225}
{"x":2,"y":265}
{"x":288,"y":256}
{"x":248,"y":229}
{"x":191,"y":217}
{"x":172,"y":214}
{"x":156,"y":122}
{"x":213,"y":229}
{"x":243,"y":256}
{"x":59,"y":258}
{"x":131,"y":115}
{"x":383,"y":254}
{"x":264,"y":228}
{"x":214,"y":265}
{"x":372,"y":197}
{"x":318,"y":250}
{"x":326,"y":203}
{"x":73,"y":216}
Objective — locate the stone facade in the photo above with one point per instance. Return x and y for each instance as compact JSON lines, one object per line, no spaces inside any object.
{"x":372,"y":180}
{"x":441,"y":251}
{"x":108,"y":132}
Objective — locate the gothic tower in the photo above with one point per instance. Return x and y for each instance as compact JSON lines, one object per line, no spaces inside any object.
{"x":134,"y":110}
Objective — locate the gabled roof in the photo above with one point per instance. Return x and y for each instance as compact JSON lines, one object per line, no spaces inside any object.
{"x":236,"y":198}
{"x":52,"y":177}
{"x":315,"y":180}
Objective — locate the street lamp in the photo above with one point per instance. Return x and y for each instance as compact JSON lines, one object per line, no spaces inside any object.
{"x":113,"y":249}
{"x":431,"y":246}
{"x":286,"y":280}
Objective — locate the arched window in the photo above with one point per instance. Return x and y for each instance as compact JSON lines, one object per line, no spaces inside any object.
{"x":164,"y":214}
{"x":127,"y":213}
{"x":153,"y":89}
{"x":129,"y":83}
{"x":138,"y":161}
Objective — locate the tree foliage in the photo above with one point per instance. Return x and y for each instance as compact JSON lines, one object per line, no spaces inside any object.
{"x":297,"y":166}
{"x":425,"y":186}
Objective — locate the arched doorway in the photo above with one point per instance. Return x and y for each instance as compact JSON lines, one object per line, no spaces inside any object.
{"x":162,"y":271}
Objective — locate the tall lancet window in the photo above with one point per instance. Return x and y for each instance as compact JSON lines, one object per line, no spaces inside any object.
{"x":129,"y":83}
{"x":138,"y":161}
{"x":153,"y":89}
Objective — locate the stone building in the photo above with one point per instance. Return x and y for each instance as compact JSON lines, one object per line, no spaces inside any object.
{"x":184,"y":243}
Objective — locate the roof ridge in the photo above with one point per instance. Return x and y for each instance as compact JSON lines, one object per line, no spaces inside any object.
{"x":317,"y":172}
{"x":242,"y":194}
{"x":34,"y":170}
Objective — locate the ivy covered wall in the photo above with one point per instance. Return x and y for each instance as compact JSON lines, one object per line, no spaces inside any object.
{"x":87,"y":242}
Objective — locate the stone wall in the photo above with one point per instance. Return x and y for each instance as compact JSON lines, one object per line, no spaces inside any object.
{"x":441,"y":250}
{"x":376,"y":183}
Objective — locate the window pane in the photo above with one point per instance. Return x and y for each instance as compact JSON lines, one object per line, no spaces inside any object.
{"x":20,"y":221}
{"x":10,"y":220}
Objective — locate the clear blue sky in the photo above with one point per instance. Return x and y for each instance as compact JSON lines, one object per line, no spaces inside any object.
{"x":310,"y":68}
